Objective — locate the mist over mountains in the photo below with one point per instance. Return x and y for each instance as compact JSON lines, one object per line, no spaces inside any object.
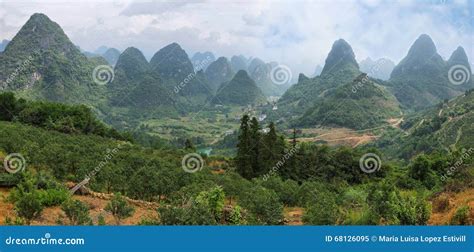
{"x":173,"y":83}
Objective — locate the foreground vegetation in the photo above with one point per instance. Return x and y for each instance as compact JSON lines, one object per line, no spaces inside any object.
{"x":267,"y":174}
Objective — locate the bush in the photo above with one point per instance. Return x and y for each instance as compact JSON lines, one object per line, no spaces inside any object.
{"x":29,"y":206}
{"x":26,"y":199}
{"x":263,"y":205}
{"x":235,"y":217}
{"x":384,"y":201}
{"x":77,"y":212}
{"x":286,"y":190}
{"x":53,"y":197}
{"x":214,"y":200}
{"x":119,"y":208}
{"x":322,"y":210}
{"x":101,"y":220}
{"x":461,"y":216}
{"x":191,"y":214}
{"x":414,"y":211}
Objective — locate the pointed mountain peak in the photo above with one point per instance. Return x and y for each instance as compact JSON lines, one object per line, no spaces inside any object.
{"x":423,"y":47}
{"x":39,"y":18}
{"x":219,"y":72}
{"x":201,"y":60}
{"x":459,"y":56}
{"x":238,"y":63}
{"x":172,"y":62}
{"x":132,"y":51}
{"x":39,"y":32}
{"x":422,"y":59}
{"x":240,"y":90}
{"x":111,"y":55}
{"x":131,"y":64}
{"x":340,"y":56}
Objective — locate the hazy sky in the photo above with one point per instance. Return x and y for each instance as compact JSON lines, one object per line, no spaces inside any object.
{"x":295,"y":33}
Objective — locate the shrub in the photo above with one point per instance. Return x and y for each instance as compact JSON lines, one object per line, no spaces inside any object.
{"x":286,"y":190}
{"x":323,"y":210}
{"x":77,"y":212}
{"x":29,"y":206}
{"x":26,"y":199}
{"x":263,"y":205}
{"x":54,"y":197}
{"x":235,"y":217}
{"x":191,"y":214}
{"x":14,"y":222}
{"x":414,"y":210}
{"x":101,"y":220}
{"x":461,"y":216}
{"x":214,"y":200}
{"x":119,"y":208}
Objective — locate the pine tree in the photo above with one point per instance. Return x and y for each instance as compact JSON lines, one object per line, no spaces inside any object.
{"x":290,"y":170}
{"x":255,"y":147}
{"x":271,"y":148}
{"x":243,"y":159}
{"x":293,"y":140}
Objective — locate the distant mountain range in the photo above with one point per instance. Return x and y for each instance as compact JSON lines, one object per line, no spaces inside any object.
{"x":379,"y":69}
{"x":42,"y":63}
{"x":423,"y":78}
{"x":340,"y":96}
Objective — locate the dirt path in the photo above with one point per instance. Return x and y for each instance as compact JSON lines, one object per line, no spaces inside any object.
{"x":293,"y":216}
{"x":54,"y":215}
{"x":455,"y":201}
{"x":345,"y":136}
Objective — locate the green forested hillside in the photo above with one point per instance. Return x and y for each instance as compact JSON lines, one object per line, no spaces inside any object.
{"x":241,"y":90}
{"x":358,"y":105}
{"x":422,"y":78}
{"x":219,"y":72}
{"x":341,"y":96}
{"x":445,"y":128}
{"x":43,"y":63}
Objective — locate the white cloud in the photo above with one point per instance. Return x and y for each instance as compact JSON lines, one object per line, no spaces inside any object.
{"x":296,"y":33}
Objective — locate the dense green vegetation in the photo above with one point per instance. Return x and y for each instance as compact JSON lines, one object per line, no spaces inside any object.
{"x":241,"y":90}
{"x":421,"y":79}
{"x":360,"y":104}
{"x":267,"y":174}
{"x":162,"y":101}
{"x":54,"y":116}
{"x":446,"y":128}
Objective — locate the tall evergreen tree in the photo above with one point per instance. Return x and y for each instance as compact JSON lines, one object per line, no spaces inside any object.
{"x":269,"y":150}
{"x":256,"y":147}
{"x":243,"y":159}
{"x":293,"y":140}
